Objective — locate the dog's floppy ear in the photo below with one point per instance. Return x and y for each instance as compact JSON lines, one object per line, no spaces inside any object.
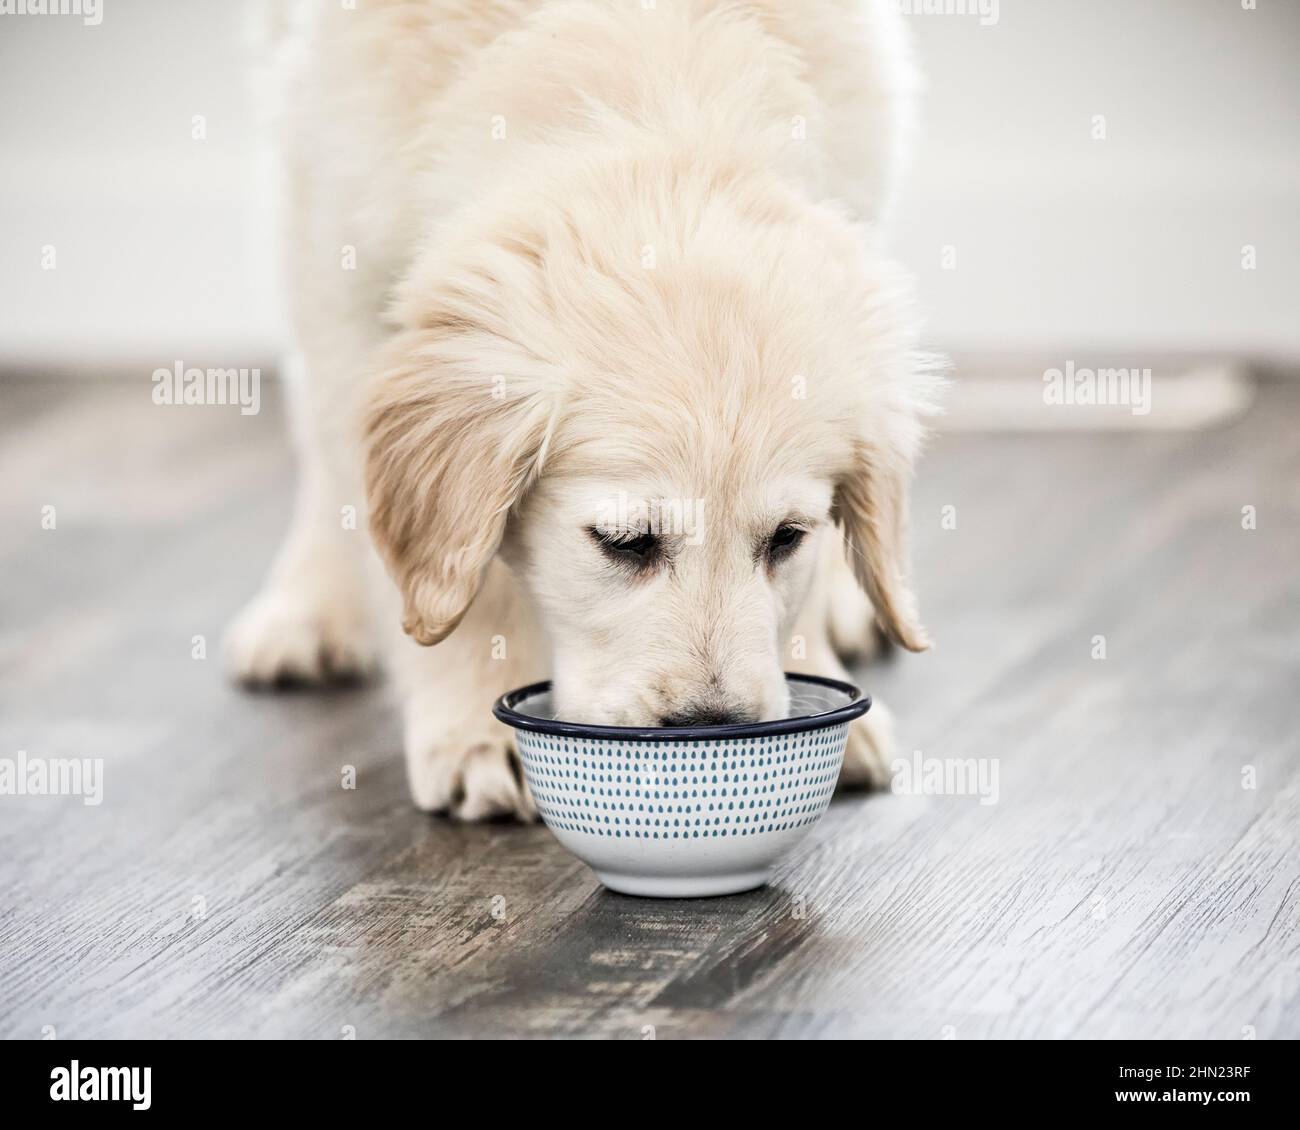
{"x":871,"y":505}
{"x":449,"y":449}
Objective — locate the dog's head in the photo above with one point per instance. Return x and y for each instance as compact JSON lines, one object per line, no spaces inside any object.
{"x":655,"y":434}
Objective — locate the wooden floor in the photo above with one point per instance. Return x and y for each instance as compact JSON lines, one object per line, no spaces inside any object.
{"x":1125,"y":884}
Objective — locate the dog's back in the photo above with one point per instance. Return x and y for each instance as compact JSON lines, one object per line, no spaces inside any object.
{"x":470,"y":77}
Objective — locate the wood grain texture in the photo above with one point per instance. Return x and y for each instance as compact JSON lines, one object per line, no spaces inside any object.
{"x":1125,"y":884}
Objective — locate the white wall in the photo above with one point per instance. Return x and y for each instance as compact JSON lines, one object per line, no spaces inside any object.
{"x":1134,"y":241}
{"x":1061,"y":241}
{"x":161,"y":241}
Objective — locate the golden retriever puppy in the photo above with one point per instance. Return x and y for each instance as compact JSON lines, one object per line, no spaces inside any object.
{"x":593,"y":329}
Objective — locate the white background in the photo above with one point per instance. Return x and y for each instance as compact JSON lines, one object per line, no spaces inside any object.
{"x":1063,"y":242}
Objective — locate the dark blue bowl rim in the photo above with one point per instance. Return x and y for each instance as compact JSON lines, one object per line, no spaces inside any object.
{"x":859,"y":704}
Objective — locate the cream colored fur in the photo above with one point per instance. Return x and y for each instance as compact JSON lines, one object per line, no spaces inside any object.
{"x":610,"y":257}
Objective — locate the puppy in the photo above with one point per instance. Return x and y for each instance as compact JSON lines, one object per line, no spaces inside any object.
{"x":593,"y":329}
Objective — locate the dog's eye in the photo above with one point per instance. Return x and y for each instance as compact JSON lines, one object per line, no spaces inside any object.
{"x":784,"y":541}
{"x":639,"y":551}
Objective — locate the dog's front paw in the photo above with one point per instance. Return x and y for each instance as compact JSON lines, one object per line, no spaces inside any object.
{"x":469,"y":777}
{"x":870,"y":750}
{"x":280,"y":637}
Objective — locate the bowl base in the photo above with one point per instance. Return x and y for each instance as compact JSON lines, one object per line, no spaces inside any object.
{"x":683,"y":886}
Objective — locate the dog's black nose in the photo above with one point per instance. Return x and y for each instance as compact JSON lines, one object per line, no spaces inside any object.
{"x":707,"y":716}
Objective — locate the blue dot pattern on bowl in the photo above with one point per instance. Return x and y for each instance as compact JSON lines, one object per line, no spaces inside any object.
{"x":682,"y":790}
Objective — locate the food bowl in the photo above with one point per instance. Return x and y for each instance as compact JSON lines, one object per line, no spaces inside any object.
{"x":684,"y":811}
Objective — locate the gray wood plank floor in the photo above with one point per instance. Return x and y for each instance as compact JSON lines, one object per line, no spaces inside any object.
{"x":1127,"y":882}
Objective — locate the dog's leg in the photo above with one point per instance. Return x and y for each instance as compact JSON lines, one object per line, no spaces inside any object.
{"x":871,"y":746}
{"x":851,"y":621}
{"x":836,"y":621}
{"x":459,"y":759}
{"x":309,"y":623}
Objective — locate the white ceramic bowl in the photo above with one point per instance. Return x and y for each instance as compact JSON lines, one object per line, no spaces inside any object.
{"x":687,"y":811}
